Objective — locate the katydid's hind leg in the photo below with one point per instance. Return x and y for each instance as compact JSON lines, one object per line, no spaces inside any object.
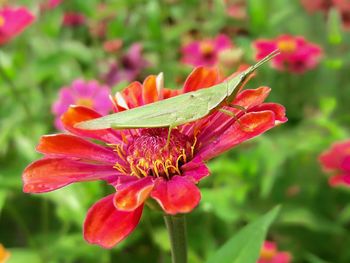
{"x":238,"y":107}
{"x":233,"y":115}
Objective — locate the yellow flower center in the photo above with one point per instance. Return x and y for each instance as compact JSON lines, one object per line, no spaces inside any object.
{"x":268,"y":254}
{"x":147,"y":154}
{"x":287,"y":46}
{"x":2,"y":20}
{"x":85,"y":102}
{"x":206,"y":48}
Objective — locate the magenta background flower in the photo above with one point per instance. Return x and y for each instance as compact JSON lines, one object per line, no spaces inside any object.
{"x":270,"y":254}
{"x":87,"y":93}
{"x":128,"y":67}
{"x":336,"y":160}
{"x":205,"y":52}
{"x":73,"y":19}
{"x":297,"y":54}
{"x":13,"y":21}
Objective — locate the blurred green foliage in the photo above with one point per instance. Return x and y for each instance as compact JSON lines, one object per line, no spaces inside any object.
{"x":279,"y":167}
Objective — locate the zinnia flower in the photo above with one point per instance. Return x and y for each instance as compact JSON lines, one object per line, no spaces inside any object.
{"x":4,"y":254}
{"x":297,"y":55}
{"x":73,"y":19}
{"x":13,"y":21}
{"x":270,"y":254}
{"x":128,"y":68}
{"x":87,"y":93}
{"x":205,"y":52}
{"x":336,"y":160}
{"x":137,"y":162}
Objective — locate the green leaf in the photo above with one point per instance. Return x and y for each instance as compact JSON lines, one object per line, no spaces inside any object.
{"x":19,"y":255}
{"x":245,"y":246}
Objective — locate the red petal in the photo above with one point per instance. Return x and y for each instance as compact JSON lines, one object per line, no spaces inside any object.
{"x":195,"y":169}
{"x":221,"y":122}
{"x":52,"y":173}
{"x":150,"y":92}
{"x":178,"y":195}
{"x":252,"y":97}
{"x":333,"y":158}
{"x":251,"y":124}
{"x":340,"y":179}
{"x":131,"y":195}
{"x":76,"y":114}
{"x":201,"y":78}
{"x":61,"y":145}
{"x":133,"y":94}
{"x":279,"y":110}
{"x":106,"y":226}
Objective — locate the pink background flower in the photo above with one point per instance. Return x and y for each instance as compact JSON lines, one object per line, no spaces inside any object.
{"x":297,"y":54}
{"x":336,"y":160}
{"x":13,"y":21}
{"x":87,"y":93}
{"x":270,"y":254}
{"x":205,"y":52}
{"x":73,"y":19}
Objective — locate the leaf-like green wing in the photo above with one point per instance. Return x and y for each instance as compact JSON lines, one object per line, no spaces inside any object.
{"x":245,"y":246}
{"x":165,"y":113}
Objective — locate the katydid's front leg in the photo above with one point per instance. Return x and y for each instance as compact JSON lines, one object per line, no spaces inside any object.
{"x":168,"y":139}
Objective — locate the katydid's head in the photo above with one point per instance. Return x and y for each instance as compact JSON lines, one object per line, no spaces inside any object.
{"x":238,"y":80}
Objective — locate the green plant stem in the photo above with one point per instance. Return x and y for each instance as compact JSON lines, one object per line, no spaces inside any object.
{"x":176,"y":226}
{"x":14,"y":91}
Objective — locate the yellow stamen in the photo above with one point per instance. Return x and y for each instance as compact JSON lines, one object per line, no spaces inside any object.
{"x":120,"y":151}
{"x":142,"y":171}
{"x":119,"y":167}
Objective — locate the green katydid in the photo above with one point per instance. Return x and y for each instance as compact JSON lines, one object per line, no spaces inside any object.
{"x":177,"y":110}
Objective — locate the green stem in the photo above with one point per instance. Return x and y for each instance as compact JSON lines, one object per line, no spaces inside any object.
{"x":176,"y":226}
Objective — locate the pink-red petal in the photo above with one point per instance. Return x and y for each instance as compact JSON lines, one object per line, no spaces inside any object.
{"x":250,"y":125}
{"x":66,"y":145}
{"x":277,"y":109}
{"x":76,"y":114}
{"x":106,"y":226}
{"x":150,"y":92}
{"x":178,"y":195}
{"x":131,"y":195}
{"x":195,"y":169}
{"x":49,"y":174}
{"x":200,"y":78}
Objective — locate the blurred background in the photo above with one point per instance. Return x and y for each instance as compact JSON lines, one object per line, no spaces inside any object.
{"x":116,"y":42}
